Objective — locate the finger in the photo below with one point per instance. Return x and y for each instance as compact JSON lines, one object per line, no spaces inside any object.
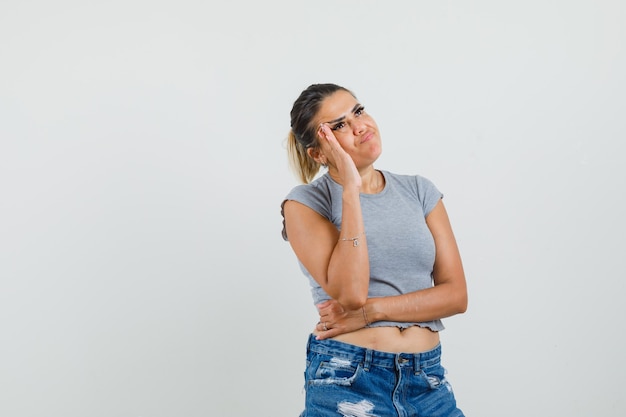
{"x":328,"y":134}
{"x":325,"y":143}
{"x":324,"y":310}
{"x":323,"y":305}
{"x":321,"y":132}
{"x":324,"y":131}
{"x":327,"y":334}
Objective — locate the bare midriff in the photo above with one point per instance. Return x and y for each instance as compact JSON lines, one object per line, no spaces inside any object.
{"x":413,"y":339}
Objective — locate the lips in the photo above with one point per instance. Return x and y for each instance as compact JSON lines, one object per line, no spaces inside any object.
{"x":367,"y":137}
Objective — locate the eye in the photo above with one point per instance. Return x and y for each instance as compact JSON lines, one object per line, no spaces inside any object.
{"x":359,"y":111}
{"x":338,"y":126}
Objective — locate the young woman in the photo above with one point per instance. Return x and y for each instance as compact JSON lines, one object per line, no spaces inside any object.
{"x":382,"y":261}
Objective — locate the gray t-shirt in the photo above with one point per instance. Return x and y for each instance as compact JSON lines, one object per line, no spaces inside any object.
{"x":401,"y":248}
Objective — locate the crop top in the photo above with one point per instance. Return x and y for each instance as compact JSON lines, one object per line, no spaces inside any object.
{"x":401,"y":248}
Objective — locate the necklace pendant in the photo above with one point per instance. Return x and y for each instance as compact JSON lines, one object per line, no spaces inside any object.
{"x":355,"y":243}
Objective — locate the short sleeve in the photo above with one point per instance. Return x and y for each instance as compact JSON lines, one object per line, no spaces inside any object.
{"x":312,"y":196}
{"x":428,"y":194}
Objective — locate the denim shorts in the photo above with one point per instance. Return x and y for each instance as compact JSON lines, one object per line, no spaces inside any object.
{"x":351,"y":381}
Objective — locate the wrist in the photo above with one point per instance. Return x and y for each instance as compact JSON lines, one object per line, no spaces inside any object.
{"x":371,"y":311}
{"x":351,"y":194}
{"x":366,"y":320}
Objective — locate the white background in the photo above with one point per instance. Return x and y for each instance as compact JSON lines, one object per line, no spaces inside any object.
{"x":142,"y":165}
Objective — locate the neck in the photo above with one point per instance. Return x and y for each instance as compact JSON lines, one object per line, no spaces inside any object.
{"x":372,"y":181}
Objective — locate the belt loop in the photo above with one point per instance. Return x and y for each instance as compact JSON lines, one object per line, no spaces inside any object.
{"x":417,"y":366}
{"x":368,"y":359}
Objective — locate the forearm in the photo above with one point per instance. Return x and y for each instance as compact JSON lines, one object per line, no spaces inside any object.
{"x":421,"y":306}
{"x":434,"y":303}
{"x":449,"y":294}
{"x":348,"y":269}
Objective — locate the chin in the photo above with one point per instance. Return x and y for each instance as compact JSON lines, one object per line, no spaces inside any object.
{"x":376,"y":152}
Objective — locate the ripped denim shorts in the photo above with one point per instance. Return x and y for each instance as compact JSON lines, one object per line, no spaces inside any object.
{"x":348,"y":380}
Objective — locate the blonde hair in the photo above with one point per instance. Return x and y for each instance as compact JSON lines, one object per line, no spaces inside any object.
{"x":302,"y":165}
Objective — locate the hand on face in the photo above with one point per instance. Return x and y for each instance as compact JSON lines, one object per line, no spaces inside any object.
{"x":338,"y":158}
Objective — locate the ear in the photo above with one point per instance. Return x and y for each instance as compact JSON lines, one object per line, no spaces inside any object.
{"x":316,"y":154}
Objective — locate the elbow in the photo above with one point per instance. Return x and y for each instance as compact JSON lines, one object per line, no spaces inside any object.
{"x":461,"y":303}
{"x":352,"y":295}
{"x":352,"y":301}
{"x":457,"y":297}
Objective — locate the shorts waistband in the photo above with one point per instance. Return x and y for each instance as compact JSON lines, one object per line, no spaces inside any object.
{"x":371,"y":357}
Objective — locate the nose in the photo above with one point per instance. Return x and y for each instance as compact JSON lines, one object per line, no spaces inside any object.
{"x":358,"y":127}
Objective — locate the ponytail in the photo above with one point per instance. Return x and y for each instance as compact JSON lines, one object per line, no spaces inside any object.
{"x":303,"y":166}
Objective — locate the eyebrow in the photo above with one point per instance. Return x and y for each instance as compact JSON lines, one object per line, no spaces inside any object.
{"x":339,"y":119}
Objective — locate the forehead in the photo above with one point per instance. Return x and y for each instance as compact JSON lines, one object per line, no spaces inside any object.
{"x":339,"y":104}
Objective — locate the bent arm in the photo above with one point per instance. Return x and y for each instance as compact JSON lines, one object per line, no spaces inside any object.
{"x":339,"y":267}
{"x":446,"y":298}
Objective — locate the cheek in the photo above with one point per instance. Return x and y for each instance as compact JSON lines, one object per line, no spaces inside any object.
{"x":345,"y":140}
